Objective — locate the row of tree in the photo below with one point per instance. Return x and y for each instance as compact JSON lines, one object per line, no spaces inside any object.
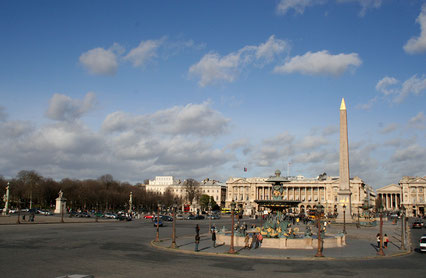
{"x":31,"y":190}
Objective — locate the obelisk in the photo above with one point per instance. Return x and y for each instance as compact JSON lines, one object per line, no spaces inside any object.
{"x":344,"y":193}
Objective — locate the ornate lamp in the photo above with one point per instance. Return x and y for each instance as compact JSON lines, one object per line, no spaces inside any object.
{"x":320,"y":211}
{"x":231,"y":248}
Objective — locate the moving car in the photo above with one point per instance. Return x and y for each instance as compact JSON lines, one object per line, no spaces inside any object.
{"x":422,"y":243}
{"x":417,"y":225}
{"x":166,"y":218}
{"x":148,"y":216}
{"x":159,"y":223}
{"x":195,"y":217}
{"x":179,"y":217}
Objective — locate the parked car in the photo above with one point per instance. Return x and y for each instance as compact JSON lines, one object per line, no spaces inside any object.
{"x":166,"y":218}
{"x":45,"y":212}
{"x":417,"y":225}
{"x":195,"y":217}
{"x":148,"y":216}
{"x":422,"y":243}
{"x":124,"y":217}
{"x":110,"y":215}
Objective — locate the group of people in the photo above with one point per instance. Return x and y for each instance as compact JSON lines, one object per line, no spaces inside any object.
{"x":255,"y":242}
{"x":385,"y":240}
{"x":198,"y":238}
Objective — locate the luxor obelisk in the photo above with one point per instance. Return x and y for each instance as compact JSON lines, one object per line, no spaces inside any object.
{"x":344,"y":193}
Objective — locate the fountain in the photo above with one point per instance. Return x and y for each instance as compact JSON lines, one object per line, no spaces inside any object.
{"x":277,"y":231}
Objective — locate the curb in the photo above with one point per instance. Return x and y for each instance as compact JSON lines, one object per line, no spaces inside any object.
{"x":177,"y":250}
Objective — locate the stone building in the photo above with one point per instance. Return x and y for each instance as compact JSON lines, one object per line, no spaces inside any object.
{"x":309,"y":191}
{"x":409,"y":192}
{"x":212,"y":188}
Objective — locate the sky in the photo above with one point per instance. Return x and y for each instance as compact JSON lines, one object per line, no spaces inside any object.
{"x":204,"y":89}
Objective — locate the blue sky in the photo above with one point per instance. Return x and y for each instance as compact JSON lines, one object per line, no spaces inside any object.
{"x":205,"y":88}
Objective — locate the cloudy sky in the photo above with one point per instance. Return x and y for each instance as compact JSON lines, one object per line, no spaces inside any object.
{"x":203,"y":89}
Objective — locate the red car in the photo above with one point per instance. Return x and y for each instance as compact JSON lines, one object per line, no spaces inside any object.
{"x":149,"y":216}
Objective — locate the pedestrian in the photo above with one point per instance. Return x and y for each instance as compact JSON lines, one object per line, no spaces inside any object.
{"x":214,"y":238}
{"x":253,"y":241}
{"x":385,"y":240}
{"x":246,"y":241}
{"x":259,"y":239}
{"x":197,"y":241}
{"x":378,"y":240}
{"x":197,"y":229}
{"x":256,"y":241}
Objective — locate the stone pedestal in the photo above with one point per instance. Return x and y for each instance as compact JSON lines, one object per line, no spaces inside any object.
{"x":60,"y":205}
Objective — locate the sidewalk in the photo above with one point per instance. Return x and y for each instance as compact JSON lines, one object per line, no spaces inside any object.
{"x":48,"y":219}
{"x":360,"y":244}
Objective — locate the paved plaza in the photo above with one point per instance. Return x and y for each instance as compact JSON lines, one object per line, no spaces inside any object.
{"x":124,"y":249}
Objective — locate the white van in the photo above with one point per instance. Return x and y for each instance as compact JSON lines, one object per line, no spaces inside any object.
{"x":422,"y":243}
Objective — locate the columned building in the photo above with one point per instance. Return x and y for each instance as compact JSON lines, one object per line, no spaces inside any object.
{"x":410,"y":192}
{"x":391,"y":197}
{"x":310,"y":192}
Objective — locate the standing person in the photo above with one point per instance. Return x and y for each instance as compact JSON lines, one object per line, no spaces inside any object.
{"x":253,"y":241}
{"x":378,"y":240}
{"x":197,"y":241}
{"x":197,"y":229}
{"x":246,"y":241}
{"x":386,"y":240}
{"x":260,"y":239}
{"x":214,"y":238}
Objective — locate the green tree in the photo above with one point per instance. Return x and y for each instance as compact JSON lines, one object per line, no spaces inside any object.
{"x":205,"y":200}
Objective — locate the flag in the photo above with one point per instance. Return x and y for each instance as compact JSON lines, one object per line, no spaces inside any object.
{"x":245,"y":169}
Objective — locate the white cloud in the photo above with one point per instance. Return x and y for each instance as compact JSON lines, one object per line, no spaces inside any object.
{"x":63,"y":108}
{"x":389,"y":128}
{"x":192,"y":119}
{"x":383,"y":84}
{"x":365,"y":5}
{"x":418,"y":121}
{"x":100,"y":61}
{"x":320,"y":63}
{"x":269,"y":49}
{"x":213,"y":68}
{"x":418,"y":44}
{"x":3,"y":114}
{"x":297,"y":5}
{"x":144,"y":52}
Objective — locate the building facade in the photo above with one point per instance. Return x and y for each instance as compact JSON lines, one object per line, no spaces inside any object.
{"x":209,"y":187}
{"x":410,"y":192}
{"x":310,"y":192}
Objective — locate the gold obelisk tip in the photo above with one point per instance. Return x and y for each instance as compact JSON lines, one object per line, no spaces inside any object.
{"x":343,"y":105}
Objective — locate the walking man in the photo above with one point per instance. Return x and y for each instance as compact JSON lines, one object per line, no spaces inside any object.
{"x":214,"y":238}
{"x":197,"y":241}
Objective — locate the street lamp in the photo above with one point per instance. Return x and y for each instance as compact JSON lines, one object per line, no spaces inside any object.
{"x":174,"y":227}
{"x":320,"y":210}
{"x":157,"y":237}
{"x":380,"y":209}
{"x":344,"y":218}
{"x":210,"y":215}
{"x":231,"y":248}
{"x":403,"y":228}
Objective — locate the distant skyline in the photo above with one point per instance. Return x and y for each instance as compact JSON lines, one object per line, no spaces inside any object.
{"x":198,"y":89}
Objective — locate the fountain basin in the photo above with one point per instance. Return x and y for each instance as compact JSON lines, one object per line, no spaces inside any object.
{"x":330,"y":241}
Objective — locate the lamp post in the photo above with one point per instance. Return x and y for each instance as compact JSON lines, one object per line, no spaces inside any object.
{"x":381,"y":253}
{"x":210,"y":216}
{"x":174,"y":227}
{"x":157,"y":237}
{"x":344,"y":218}
{"x":403,"y":228}
{"x":62,"y":212}
{"x":231,"y":248}
{"x":320,"y":210}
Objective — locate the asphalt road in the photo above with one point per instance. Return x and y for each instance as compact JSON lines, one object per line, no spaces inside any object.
{"x":122,"y":249}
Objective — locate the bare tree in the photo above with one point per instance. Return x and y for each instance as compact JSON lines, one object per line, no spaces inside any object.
{"x":192,"y":189}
